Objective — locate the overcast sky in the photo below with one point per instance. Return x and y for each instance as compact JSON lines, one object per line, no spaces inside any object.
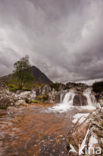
{"x":64,"y":38}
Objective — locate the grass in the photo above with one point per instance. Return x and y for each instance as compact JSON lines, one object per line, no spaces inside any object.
{"x":35,"y":101}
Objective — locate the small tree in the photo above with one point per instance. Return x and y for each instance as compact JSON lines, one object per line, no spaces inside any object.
{"x":22,"y":77}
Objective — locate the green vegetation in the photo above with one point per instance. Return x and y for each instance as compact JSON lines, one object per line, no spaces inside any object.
{"x":38,"y":85}
{"x":98,"y":87}
{"x":42,"y":98}
{"x":35,"y":101}
{"x":21,"y":78}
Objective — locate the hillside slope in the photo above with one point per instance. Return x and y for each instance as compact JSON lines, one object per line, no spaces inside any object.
{"x":39,"y":77}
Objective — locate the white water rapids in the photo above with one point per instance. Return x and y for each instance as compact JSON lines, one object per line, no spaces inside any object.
{"x":67,"y":102}
{"x":90,"y":98}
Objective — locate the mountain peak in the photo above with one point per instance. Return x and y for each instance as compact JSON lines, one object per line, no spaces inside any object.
{"x":39,"y":76}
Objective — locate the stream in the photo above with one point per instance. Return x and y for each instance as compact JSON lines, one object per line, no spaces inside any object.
{"x":38,"y":129}
{"x":30,"y":131}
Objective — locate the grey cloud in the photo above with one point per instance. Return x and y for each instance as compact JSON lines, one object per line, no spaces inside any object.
{"x":64,"y":38}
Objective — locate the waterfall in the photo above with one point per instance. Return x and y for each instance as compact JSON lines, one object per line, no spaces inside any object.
{"x":61,"y":97}
{"x":66,"y":103}
{"x":90,"y":97}
{"x":68,"y":98}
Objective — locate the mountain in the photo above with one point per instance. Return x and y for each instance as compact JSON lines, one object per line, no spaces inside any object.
{"x":39,"y":77}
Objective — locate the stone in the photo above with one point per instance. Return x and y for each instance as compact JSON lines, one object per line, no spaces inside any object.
{"x":88,"y":134}
{"x":80,"y":100}
{"x":20,"y":102}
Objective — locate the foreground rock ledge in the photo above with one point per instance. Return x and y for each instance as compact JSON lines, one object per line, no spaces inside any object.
{"x":86,"y":138}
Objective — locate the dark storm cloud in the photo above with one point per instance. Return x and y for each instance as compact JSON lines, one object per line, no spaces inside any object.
{"x":64,"y":38}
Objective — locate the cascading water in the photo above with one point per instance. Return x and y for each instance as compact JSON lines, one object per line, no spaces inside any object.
{"x":61,"y":97}
{"x":90,"y":98}
{"x":68,"y":98}
{"x":66,"y":103}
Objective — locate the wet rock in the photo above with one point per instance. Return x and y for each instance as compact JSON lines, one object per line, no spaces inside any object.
{"x":8,"y":98}
{"x":77,"y":86}
{"x":20,"y":102}
{"x":27,"y":96}
{"x":80,"y":100}
{"x":100,"y":100}
{"x":54,"y":96}
{"x":5,"y":99}
{"x":4,"y":102}
{"x":86,"y":137}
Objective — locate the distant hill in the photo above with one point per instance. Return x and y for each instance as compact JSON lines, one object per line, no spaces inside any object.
{"x":39,"y":77}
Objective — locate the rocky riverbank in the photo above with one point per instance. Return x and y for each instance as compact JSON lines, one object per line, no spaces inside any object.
{"x":44,"y":94}
{"x":38,"y":95}
{"x":86,"y":136}
{"x":57,"y":130}
{"x":34,"y":130}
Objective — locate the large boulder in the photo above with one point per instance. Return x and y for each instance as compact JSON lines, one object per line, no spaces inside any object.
{"x":20,"y":102}
{"x":4,"y":102}
{"x":5,"y":99}
{"x":25,"y":95}
{"x":86,"y":137}
{"x":8,"y":98}
{"x":80,"y":100}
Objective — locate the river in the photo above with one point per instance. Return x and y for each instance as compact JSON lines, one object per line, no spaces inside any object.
{"x":37,"y":129}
